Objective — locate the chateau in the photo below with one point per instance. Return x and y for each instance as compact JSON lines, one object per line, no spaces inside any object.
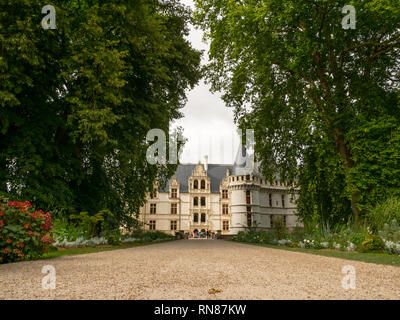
{"x":218,"y":198}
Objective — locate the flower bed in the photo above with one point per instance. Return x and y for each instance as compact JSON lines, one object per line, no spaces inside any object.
{"x":80,"y":242}
{"x":25,"y":233}
{"x":349,"y":240}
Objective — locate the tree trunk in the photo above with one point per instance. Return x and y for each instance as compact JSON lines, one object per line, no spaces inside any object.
{"x":344,"y":153}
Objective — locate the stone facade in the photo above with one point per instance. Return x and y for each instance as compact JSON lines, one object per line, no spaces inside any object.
{"x":217,"y":198}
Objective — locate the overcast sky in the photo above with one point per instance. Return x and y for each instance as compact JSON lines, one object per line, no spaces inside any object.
{"x":208,"y":123}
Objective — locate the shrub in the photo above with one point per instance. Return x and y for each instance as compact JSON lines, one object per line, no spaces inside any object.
{"x":298,"y":233}
{"x":144,"y":236}
{"x":68,"y":231}
{"x":113,"y":239}
{"x":391,"y":231}
{"x":25,"y":233}
{"x":91,"y":223}
{"x":385,"y":212}
{"x":279,"y":227}
{"x":372,"y":243}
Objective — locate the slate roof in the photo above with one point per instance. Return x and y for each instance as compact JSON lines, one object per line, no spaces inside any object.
{"x":240,"y":166}
{"x":216,"y":172}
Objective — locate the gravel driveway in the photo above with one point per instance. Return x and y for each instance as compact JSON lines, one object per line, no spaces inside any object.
{"x":188,"y":269}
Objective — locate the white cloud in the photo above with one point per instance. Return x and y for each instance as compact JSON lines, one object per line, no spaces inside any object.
{"x":208,"y":123}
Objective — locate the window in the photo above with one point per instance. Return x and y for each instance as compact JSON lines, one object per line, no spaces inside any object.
{"x":248,"y":209}
{"x":283,"y":201}
{"x":225,"y":225}
{"x":203,"y":201}
{"x":271,"y":221}
{"x":174,"y":208}
{"x":174,"y":193}
{"x":224,"y":194}
{"x":270,"y":200}
{"x":195,"y":201}
{"x":284,"y":221}
{"x":152,"y":224}
{"x":195,"y":184}
{"x":196,"y":217}
{"x":174,"y":225}
{"x":203,"y":184}
{"x":203,"y":217}
{"x":225,"y":209}
{"x":248,"y":177}
{"x":153,"y":208}
{"x":248,"y":197}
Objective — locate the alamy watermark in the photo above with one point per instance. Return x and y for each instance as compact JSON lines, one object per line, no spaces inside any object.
{"x":49,"y":21}
{"x":349,"y":280}
{"x":49,"y":280}
{"x":349,"y":21}
{"x":157,"y":152}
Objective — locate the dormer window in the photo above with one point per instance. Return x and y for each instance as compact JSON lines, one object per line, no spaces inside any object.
{"x":203,"y":184}
{"x":195,"y":184}
{"x":153,"y":194}
{"x":174,"y":193}
{"x":224,"y":194}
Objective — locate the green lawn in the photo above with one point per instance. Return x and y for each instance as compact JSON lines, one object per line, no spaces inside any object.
{"x":76,"y":251}
{"x":379,"y":258}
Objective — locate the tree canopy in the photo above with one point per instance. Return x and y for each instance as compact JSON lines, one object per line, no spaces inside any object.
{"x":77,"y":102}
{"x":323,"y":100}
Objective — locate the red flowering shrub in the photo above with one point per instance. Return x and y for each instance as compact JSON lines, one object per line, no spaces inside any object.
{"x":25,"y":233}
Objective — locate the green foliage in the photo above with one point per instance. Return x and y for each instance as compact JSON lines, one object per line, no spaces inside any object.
{"x":372,"y":243}
{"x":384,"y":213}
{"x":254,"y":236}
{"x":145,"y":236}
{"x":92,"y":224}
{"x":391,"y":231}
{"x":279,"y":227}
{"x":69,"y":231}
{"x":77,"y":102}
{"x":113,"y":237}
{"x":298,"y":234}
{"x":25,"y":233}
{"x":314,"y":93}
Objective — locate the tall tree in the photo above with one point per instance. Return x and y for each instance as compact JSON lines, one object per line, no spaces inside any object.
{"x":292,"y":71}
{"x":77,"y":102}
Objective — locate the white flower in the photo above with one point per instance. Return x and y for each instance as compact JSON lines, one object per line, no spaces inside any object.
{"x":324,"y":244}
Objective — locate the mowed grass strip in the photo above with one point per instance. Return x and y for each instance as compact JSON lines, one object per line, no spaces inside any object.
{"x":76,"y":251}
{"x":378,"y":258}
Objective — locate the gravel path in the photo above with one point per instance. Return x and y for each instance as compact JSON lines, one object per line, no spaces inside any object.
{"x":188,"y":269}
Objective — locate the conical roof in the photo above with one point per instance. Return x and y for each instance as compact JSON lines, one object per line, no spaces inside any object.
{"x":244,"y":164}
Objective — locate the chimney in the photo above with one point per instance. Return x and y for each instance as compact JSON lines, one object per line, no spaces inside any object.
{"x":206,"y":163}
